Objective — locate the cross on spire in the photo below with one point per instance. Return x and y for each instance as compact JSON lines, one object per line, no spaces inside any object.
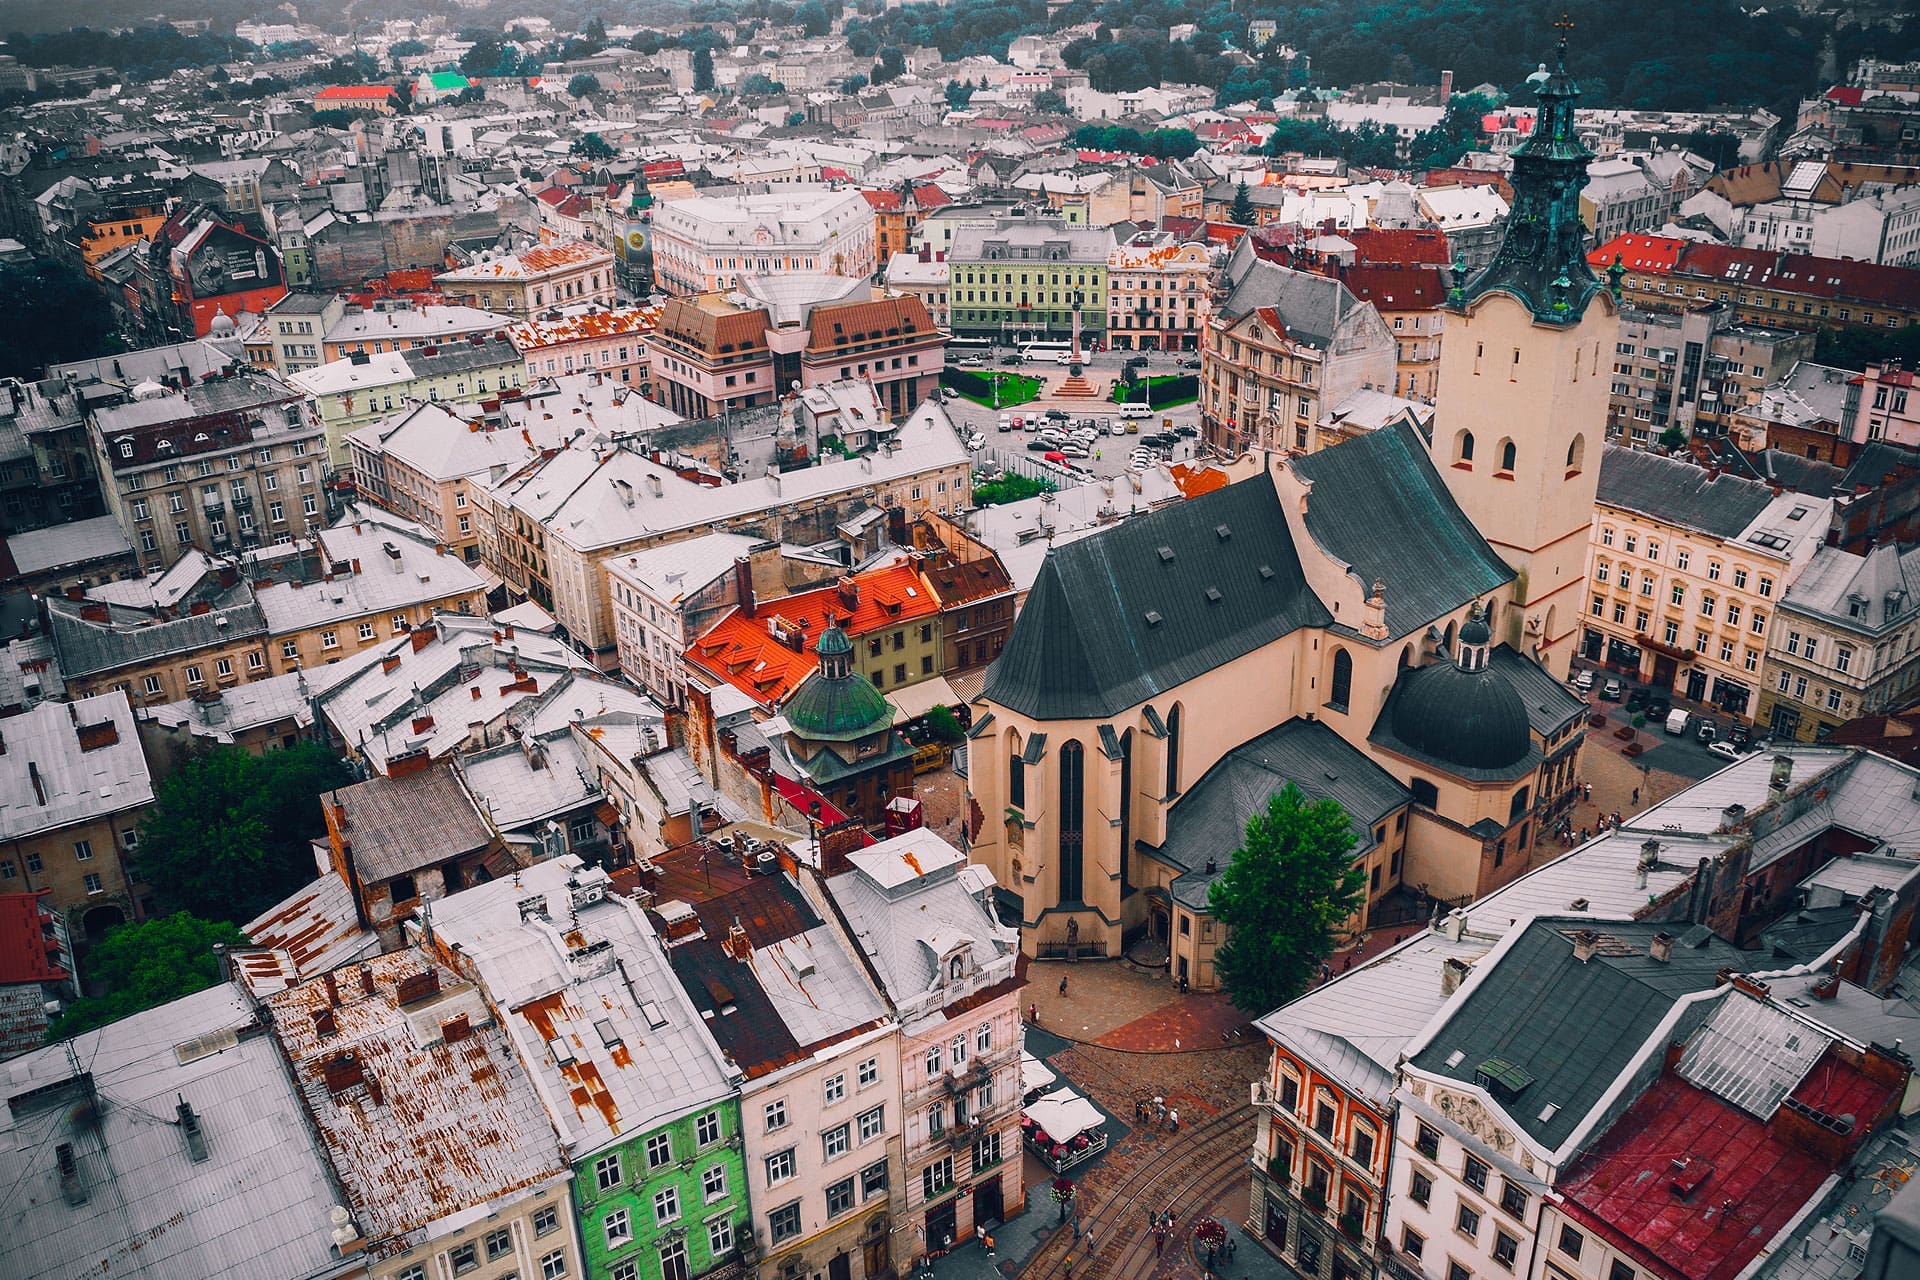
{"x":1563,"y":24}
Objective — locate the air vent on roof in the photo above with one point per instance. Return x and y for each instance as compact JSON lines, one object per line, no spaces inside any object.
{"x":1166,"y":555}
{"x":1455,"y":1058}
{"x":1266,"y":572}
{"x":652,"y":1012}
{"x":1153,"y":617}
{"x":1214,"y":596}
{"x":205,"y":1046}
{"x":1549,"y":1111}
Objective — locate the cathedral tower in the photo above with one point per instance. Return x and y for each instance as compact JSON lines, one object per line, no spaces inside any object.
{"x":1524,"y":371}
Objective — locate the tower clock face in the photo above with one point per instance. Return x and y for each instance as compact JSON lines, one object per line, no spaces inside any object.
{"x":636,"y":240}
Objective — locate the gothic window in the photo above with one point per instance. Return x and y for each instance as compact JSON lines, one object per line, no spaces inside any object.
{"x":1463,"y":446}
{"x":1173,"y":751}
{"x":1508,"y":455}
{"x":1016,"y":771}
{"x":1342,"y":688}
{"x":1072,"y":806}
{"x":1577,"y":455}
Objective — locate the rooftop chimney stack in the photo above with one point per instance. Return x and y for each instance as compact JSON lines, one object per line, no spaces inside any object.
{"x":1661,"y":947}
{"x":1585,"y":944}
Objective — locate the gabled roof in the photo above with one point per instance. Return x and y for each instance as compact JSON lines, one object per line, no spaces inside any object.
{"x":1152,"y":602}
{"x":1679,"y":493}
{"x":1379,"y":505}
{"x":400,"y":825}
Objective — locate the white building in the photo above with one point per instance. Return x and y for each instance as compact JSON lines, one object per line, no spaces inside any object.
{"x":663,"y":598}
{"x":709,"y":242}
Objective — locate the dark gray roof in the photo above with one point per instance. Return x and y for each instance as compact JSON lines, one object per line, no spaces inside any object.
{"x":459,"y":357}
{"x":1379,"y":505}
{"x":1151,"y":603}
{"x":1572,"y":1027}
{"x":1551,"y":706}
{"x":1876,"y":461}
{"x":133,"y":636}
{"x":1311,"y":306}
{"x":400,"y":825}
{"x":1810,"y":476}
{"x":1484,"y":741}
{"x":1805,"y":936}
{"x":1679,"y":493}
{"x":1210,"y":819}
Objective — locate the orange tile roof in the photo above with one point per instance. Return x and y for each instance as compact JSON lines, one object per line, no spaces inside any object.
{"x":587,"y":325}
{"x":1639,"y":253}
{"x":1192,"y":481}
{"x":354,"y":93}
{"x":767,"y":656}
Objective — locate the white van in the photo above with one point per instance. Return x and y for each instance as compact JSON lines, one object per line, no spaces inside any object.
{"x":1006,"y":422}
{"x":1136,"y":411}
{"x":1677,"y":721}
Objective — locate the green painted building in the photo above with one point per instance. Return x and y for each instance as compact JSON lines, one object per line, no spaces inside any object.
{"x":1017,"y":279}
{"x":644,"y":1104}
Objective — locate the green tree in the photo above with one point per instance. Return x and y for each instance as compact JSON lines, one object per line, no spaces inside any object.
{"x":1050,"y":102}
{"x":591,"y":146}
{"x":702,"y":69}
{"x":759,"y":83}
{"x":1011,"y":487}
{"x":853,"y":83}
{"x":140,"y":966}
{"x":1674,"y":438}
{"x":230,"y":833}
{"x":1290,"y":885}
{"x":1242,"y":211}
{"x":958,"y":95}
{"x":483,"y":59}
{"x":596,"y":30}
{"x":584,"y":85}
{"x":814,"y":19}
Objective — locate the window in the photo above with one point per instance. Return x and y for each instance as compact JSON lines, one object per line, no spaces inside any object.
{"x":784,"y":1222}
{"x":1571,"y":1241}
{"x":1707,"y":604}
{"x":1427,"y":1142}
{"x":1474,"y":1173}
{"x":1363,"y":1146}
{"x":193,"y":674}
{"x":415,"y":1272}
{"x":937,"y":1177}
{"x":553,"y":1265}
{"x":835,"y":1088}
{"x":666,"y":1205}
{"x":606,"y":1172}
{"x":366,"y":631}
{"x":289,"y":649}
{"x":1632,"y":543}
{"x":869,"y":1072}
{"x":1411,"y":1242}
{"x":839,"y":1197}
{"x":329,"y":640}
{"x":673,"y":1260}
{"x":1679,"y":594}
{"x":1467,"y":1221}
{"x":1646,"y":584}
{"x":659,"y":1150}
{"x":776,"y":1114}
{"x":834,"y":1142}
{"x":499,"y":1244}
{"x":720,"y":1237}
{"x":1683,"y":557}
{"x":983,"y":1037}
{"x":873,"y":1180}
{"x":33,"y":863}
{"x":546,"y":1220}
{"x":1457,"y":1272}
{"x":1505,"y":1249}
{"x":780,"y":1166}
{"x":1342,"y":687}
{"x":619,"y":1228}
{"x":934,"y":1060}
{"x":1513,"y":1200}
{"x":1766,"y":586}
{"x":959,"y":1051}
{"x":1323,"y":1118}
{"x":1620,"y":1271}
{"x":872,"y":1123}
{"x":1420,"y":1189}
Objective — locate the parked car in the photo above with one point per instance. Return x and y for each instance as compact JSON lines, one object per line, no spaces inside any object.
{"x":976,"y":442}
{"x":1740,"y":735}
{"x":1584,"y":682}
{"x":1113,"y":428}
{"x":1637,"y":700}
{"x":971,"y":362}
{"x":1063,"y":357}
{"x":1677,"y":721}
{"x":1074,"y":449}
{"x":1053,"y":455}
{"x":1006,"y":422}
{"x":1658,"y":708}
{"x":1037,"y":445}
{"x":1058,"y":415}
{"x":1191,"y":362}
{"x":1725,"y":750}
{"x":1708,"y":731}
{"x":1187,"y":429}
{"x":1019,"y":423}
{"x":1611,"y":689}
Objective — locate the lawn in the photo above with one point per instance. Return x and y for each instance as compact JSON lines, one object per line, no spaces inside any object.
{"x":1158,"y":386}
{"x":1015,"y":388}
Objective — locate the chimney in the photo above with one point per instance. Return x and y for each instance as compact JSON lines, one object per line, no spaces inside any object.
{"x":333,"y":990}
{"x":389,"y":664}
{"x":1446,"y":87}
{"x":743,"y":584}
{"x":1453,"y":972}
{"x":1731,"y":815}
{"x":454,"y":1030}
{"x":93,"y":613}
{"x":190,"y":1129}
{"x":1827,"y":988}
{"x":1782,"y":776}
{"x":849,"y":592}
{"x":72,"y":1188}
{"x":1585,"y":943}
{"x":324,"y":1023}
{"x":1661,"y":947}
{"x":366,"y":980}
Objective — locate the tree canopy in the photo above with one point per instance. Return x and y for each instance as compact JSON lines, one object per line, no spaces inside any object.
{"x":54,"y":314}
{"x":1290,"y":885}
{"x":231,"y":833}
{"x":583,"y":85}
{"x":1242,"y":211}
{"x":140,"y":966}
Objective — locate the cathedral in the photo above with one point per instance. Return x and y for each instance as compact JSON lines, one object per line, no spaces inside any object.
{"x":1387,"y":623}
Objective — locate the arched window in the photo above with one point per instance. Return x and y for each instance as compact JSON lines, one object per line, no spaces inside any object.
{"x":1463,"y":446}
{"x":1519,"y":804}
{"x":1424,"y":792}
{"x":1126,"y":813}
{"x":1016,"y":772}
{"x":1173,"y":752}
{"x":126,"y":448}
{"x":1577,"y":455}
{"x":1072,"y":805}
{"x":1341,"y":689}
{"x":1446,"y":640}
{"x":1406,"y":656}
{"x":1508,"y":455}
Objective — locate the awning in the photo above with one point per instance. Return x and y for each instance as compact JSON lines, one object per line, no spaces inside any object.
{"x":1064,"y":1115}
{"x":915,"y":700}
{"x":1034,"y":1074}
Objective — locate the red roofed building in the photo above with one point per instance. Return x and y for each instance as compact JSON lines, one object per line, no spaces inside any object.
{"x":521,"y":284}
{"x":1409,"y":300}
{"x":564,"y":213}
{"x":897,"y":212}
{"x":1788,"y":290}
{"x":36,"y":966}
{"x":1399,"y":247}
{"x":1687,"y":1186}
{"x":381,"y":98}
{"x":613,"y":342}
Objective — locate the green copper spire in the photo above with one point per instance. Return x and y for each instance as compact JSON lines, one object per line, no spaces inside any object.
{"x":1543,"y":259}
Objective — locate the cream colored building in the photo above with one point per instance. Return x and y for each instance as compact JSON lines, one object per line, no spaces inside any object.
{"x":1686,"y":569}
{"x":1159,"y":294}
{"x":347,"y":394}
{"x":525,"y":283}
{"x":1842,"y":642}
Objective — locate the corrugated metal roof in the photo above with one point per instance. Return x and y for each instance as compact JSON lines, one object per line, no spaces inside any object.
{"x":1752,"y":1054}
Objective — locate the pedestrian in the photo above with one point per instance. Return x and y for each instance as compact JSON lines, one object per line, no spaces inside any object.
{"x":1636,"y":795}
{"x":948,"y":1246}
{"x":1063,"y":986}
{"x":986,"y":1242}
{"x":1589,"y":790}
{"x":1089,"y":1242}
{"x":1033,"y":1014}
{"x":1173,"y":1122}
{"x":1069,"y":1266}
{"x":1584,"y":835}
{"x":1159,"y":1239}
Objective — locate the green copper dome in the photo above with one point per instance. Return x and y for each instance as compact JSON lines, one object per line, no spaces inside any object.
{"x":837,"y":704}
{"x":1542,"y":260}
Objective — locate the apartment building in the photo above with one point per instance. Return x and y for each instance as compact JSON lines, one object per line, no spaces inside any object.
{"x":1159,"y":294}
{"x":1284,"y":345}
{"x":526,"y":283}
{"x":1686,"y":567}
{"x":362,"y":388}
{"x":722,"y":236}
{"x":1693,"y":370}
{"x":949,"y":968}
{"x":294,"y":331}
{"x":897,"y":212}
{"x":555,"y":522}
{"x":1843,"y":641}
{"x":587,"y":340}
{"x":1025,"y":278}
{"x":1409,"y":300}
{"x":222,"y":465}
{"x":76,"y":787}
{"x":664,"y":597}
{"x":921,"y":275}
{"x":398,"y":324}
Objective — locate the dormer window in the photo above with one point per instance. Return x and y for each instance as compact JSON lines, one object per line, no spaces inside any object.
{"x":126,"y":448}
{"x":956,"y":968}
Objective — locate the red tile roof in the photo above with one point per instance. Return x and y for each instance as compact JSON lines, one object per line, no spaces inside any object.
{"x":1756,"y":1181}
{"x":26,"y":954}
{"x":1384,"y":246}
{"x":1639,"y":253}
{"x":1847,"y":95}
{"x":1396,"y":288}
{"x":926,"y":196}
{"x":750,"y":654}
{"x":355,"y":93}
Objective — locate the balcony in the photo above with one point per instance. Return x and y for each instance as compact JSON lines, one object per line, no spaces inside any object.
{"x":966,"y":1081}
{"x":243,"y":502}
{"x":212,"y":508}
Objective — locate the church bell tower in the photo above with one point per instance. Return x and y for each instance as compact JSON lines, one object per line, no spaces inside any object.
{"x":1525,"y":363}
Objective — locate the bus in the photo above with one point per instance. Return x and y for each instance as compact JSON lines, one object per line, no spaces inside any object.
{"x":969,"y":344}
{"x":1043,"y":350}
